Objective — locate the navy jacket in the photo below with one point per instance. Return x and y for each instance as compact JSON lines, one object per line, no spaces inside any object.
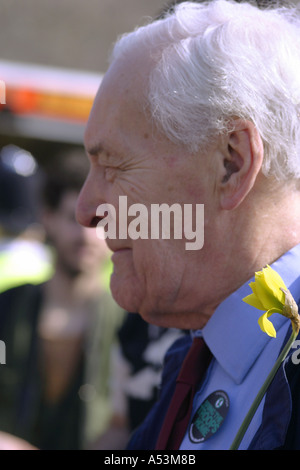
{"x":280,"y":427}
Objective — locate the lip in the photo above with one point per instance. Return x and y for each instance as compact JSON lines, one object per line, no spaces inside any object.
{"x":116,"y":245}
{"x":120,"y":251}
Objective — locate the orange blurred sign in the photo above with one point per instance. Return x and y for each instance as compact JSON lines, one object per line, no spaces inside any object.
{"x":29,"y":89}
{"x":55,"y":105}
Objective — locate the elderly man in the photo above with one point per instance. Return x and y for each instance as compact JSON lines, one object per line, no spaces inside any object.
{"x":203,"y":107}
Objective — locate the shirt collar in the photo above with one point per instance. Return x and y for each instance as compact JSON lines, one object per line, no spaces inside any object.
{"x":233,"y":334}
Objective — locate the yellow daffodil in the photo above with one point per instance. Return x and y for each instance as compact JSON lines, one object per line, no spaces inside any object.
{"x":271,"y":294}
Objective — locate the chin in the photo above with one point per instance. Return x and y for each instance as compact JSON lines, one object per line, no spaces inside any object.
{"x":126,"y":293}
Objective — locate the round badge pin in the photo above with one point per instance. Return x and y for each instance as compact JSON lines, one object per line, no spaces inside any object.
{"x":209,"y":417}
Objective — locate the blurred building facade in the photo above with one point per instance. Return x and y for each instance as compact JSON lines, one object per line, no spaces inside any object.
{"x":52,"y":56}
{"x":68,"y":33}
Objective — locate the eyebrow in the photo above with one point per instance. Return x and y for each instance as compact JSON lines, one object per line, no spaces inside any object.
{"x":96,"y":149}
{"x":100,"y":148}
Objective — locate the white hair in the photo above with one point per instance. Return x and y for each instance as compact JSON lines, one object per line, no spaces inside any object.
{"x":220,"y":60}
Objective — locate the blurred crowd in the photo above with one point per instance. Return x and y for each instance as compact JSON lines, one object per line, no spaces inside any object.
{"x":80,"y":373}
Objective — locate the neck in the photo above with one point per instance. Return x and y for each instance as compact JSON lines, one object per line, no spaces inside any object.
{"x":259,"y":231}
{"x":271,"y":222}
{"x":266,"y":226}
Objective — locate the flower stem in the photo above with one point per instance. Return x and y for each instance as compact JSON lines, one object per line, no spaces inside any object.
{"x":244,"y":426}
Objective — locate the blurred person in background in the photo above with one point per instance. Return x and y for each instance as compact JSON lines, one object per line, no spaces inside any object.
{"x":58,"y":389}
{"x":143,"y":347}
{"x":24,"y":256}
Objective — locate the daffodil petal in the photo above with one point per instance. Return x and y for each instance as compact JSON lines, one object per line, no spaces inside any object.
{"x":253,"y":287}
{"x":274,"y":283}
{"x":254,"y":301}
{"x":266,"y":325}
{"x":274,"y":276}
{"x":265,"y":294}
{"x":254,"y":290}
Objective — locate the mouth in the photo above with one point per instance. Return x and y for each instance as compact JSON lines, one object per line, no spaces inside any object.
{"x":121,"y":257}
{"x":116,"y":245}
{"x":120,"y":251}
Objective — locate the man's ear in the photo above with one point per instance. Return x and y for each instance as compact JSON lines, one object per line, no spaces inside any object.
{"x":242,"y":161}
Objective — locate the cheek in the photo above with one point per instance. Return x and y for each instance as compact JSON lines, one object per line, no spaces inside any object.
{"x":137,"y":275}
{"x":159,"y":266}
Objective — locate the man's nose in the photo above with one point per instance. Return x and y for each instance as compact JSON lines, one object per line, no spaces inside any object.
{"x":87,"y":203}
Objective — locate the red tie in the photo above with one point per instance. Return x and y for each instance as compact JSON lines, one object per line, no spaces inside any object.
{"x":177,"y":418}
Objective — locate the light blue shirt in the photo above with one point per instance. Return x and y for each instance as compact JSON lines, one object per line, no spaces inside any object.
{"x":243,"y":357}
